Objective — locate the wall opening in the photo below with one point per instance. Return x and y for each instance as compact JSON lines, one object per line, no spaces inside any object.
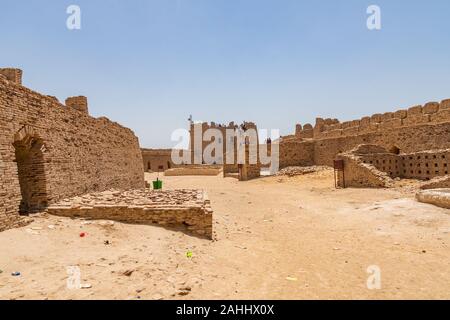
{"x":394,"y":150}
{"x":30,"y":165}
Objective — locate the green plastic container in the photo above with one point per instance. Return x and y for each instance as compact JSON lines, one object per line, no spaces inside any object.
{"x":157,"y":185}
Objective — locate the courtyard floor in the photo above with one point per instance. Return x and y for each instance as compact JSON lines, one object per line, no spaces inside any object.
{"x":276,"y":238}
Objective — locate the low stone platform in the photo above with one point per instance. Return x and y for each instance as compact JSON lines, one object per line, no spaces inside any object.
{"x":190,"y":208}
{"x":438,"y":197}
{"x":194,"y":171}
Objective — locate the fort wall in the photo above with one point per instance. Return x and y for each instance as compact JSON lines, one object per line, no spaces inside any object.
{"x":157,"y":160}
{"x":415,"y":129}
{"x":373,"y":166}
{"x":49,"y":151}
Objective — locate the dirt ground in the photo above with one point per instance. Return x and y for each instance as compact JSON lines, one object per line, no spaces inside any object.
{"x":276,"y":238}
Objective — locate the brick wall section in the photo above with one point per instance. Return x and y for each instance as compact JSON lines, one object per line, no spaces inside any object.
{"x":182,"y":207}
{"x":296,"y":153}
{"x":423,"y":165}
{"x":438,"y":182}
{"x":79,"y":103}
{"x":415,"y":129}
{"x":156,"y":160}
{"x":71,"y":152}
{"x":373,"y":166}
{"x":430,"y":113}
{"x":360,"y":175}
{"x":201,"y":128}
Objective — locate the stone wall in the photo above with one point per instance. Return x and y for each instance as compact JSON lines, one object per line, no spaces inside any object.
{"x":184,"y":208}
{"x":296,"y":153}
{"x":359,"y":174}
{"x":418,"y":128}
{"x":424,"y":165}
{"x":430,"y":113}
{"x":368,"y":161}
{"x":49,"y":151}
{"x":157,"y":160}
{"x":194,"y":170}
{"x":199,"y":129}
{"x":436,"y":183}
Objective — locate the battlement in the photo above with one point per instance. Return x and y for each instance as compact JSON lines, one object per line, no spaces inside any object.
{"x":79,"y":103}
{"x":12,"y":74}
{"x":221,"y":126}
{"x":430,"y":113}
{"x":69,"y":148}
{"x":305,"y":132}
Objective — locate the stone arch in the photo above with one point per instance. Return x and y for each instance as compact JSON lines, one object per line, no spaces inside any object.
{"x":29,"y":156}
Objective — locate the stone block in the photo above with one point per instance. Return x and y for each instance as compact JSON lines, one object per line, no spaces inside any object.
{"x":401,"y":114}
{"x":441,"y":116}
{"x":391,"y":123}
{"x":431,"y":107}
{"x":376,"y":118}
{"x":416,"y":110}
{"x":445,"y":104}
{"x":412,"y":120}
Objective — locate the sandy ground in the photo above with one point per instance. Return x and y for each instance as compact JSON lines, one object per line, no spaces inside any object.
{"x":277,"y":238}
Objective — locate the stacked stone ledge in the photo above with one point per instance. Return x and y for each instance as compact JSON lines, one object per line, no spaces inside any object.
{"x":189,"y":208}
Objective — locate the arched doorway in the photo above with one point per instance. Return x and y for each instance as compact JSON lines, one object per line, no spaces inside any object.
{"x":30,"y":166}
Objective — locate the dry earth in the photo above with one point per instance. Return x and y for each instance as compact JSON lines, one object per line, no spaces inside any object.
{"x":277,"y":238}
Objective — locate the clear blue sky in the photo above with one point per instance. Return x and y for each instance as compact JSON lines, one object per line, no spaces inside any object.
{"x":148,"y":64}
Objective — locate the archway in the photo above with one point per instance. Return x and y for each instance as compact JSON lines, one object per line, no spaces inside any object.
{"x":31,"y":172}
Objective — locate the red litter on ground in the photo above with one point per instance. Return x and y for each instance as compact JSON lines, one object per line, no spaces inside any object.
{"x":82,"y":235}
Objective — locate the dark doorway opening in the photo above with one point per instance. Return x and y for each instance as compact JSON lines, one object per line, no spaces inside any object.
{"x":394,"y":150}
{"x":30,"y":165}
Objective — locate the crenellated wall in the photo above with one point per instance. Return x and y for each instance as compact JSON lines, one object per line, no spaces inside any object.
{"x":49,"y":151}
{"x":430,"y":113}
{"x":201,"y":128}
{"x":418,"y":128}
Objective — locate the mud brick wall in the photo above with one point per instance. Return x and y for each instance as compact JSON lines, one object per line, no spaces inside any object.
{"x":195,"y":219}
{"x":360,"y":175}
{"x":386,"y":162}
{"x":157,"y":160}
{"x":424,"y":165}
{"x":194,"y":170}
{"x":439,"y":182}
{"x":415,"y":129}
{"x":227,"y":142}
{"x":49,"y":151}
{"x":373,"y":166}
{"x":296,"y":153}
{"x":187,"y":208}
